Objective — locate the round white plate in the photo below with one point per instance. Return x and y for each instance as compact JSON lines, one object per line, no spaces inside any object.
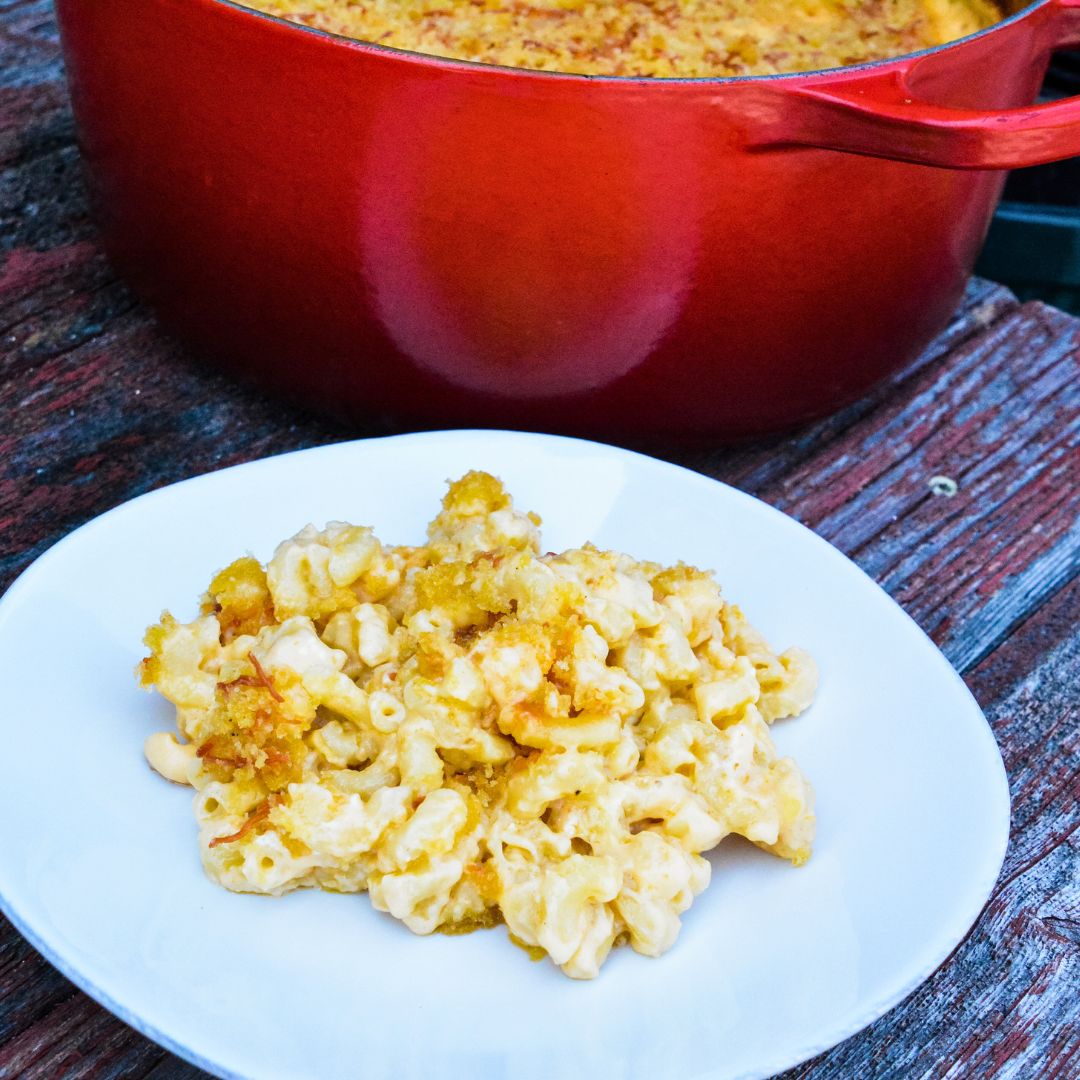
{"x":98,"y":866}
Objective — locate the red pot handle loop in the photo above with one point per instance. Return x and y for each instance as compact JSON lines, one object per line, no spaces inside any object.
{"x":878,"y":115}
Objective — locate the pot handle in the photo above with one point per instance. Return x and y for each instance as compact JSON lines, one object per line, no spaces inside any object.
{"x":879,"y":116}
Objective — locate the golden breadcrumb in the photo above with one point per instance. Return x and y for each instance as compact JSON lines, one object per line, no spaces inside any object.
{"x":667,"y":38}
{"x":476,"y":733}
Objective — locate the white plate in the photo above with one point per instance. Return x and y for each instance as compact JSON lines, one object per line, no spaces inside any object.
{"x":98,"y":866}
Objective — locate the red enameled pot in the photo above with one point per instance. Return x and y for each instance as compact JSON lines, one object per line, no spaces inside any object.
{"x":368,"y":230}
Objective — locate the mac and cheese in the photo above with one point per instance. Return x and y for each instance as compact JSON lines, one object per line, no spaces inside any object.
{"x":474,"y":732}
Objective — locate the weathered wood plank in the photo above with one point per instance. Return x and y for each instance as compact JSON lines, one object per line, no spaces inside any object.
{"x":28,"y":989}
{"x":1005,"y":1004}
{"x":174,"y":1069}
{"x":34,"y":113}
{"x":93,"y":425}
{"x":77,"y":1038}
{"x":1001,"y":417}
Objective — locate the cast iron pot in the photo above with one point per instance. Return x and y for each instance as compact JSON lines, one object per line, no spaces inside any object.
{"x":368,"y":230}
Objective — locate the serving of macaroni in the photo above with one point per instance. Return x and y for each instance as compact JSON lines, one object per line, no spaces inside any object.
{"x":475,"y":732}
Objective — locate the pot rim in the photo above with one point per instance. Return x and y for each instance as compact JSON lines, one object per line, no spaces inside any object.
{"x":476,"y":66}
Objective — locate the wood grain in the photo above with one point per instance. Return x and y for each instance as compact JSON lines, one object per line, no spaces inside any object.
{"x":1005,"y":1003}
{"x":1000,"y":417}
{"x":97,"y":405}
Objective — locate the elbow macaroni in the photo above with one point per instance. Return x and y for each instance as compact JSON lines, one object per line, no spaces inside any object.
{"x":474,"y":732}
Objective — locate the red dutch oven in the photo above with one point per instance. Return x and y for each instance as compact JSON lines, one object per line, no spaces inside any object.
{"x":368,"y":230}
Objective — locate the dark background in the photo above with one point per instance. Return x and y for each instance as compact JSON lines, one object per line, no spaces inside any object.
{"x":1034,"y":242}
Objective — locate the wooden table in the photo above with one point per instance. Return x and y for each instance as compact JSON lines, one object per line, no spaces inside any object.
{"x":97,"y":406}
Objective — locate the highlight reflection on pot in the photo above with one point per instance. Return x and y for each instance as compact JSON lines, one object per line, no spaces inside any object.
{"x":500,"y":291}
